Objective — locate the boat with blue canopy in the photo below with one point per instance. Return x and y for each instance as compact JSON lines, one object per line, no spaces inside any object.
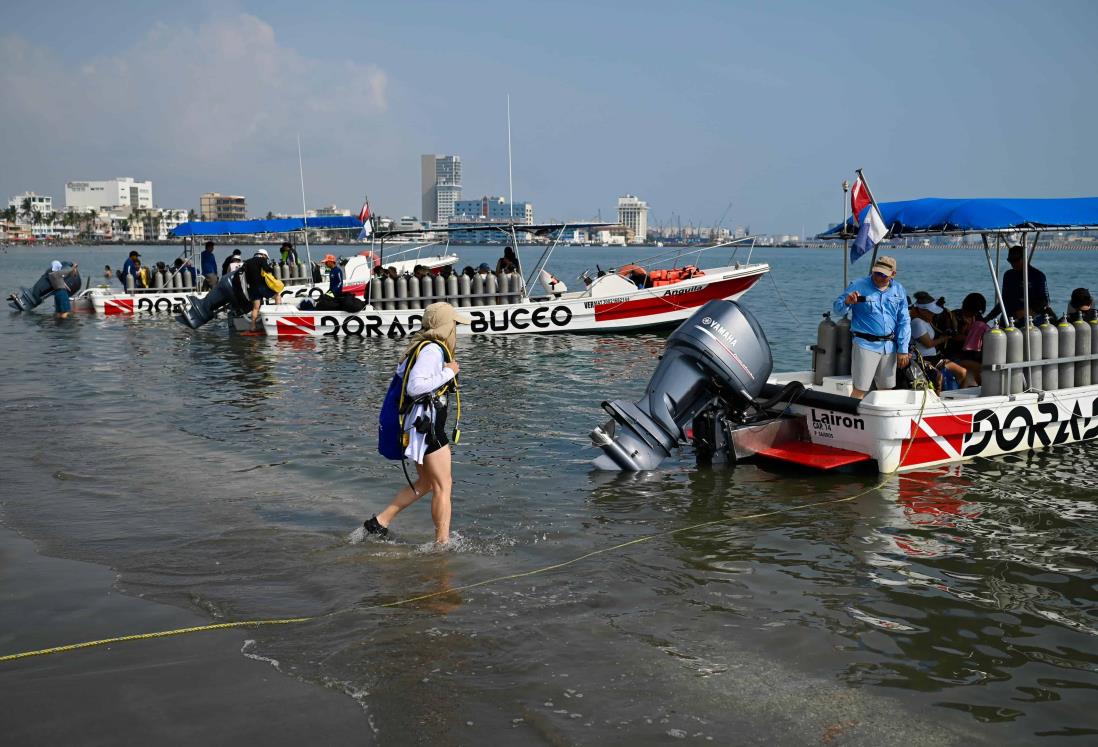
{"x":1031,"y":382}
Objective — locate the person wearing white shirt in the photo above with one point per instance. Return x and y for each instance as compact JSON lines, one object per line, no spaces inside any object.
{"x":430,"y":379}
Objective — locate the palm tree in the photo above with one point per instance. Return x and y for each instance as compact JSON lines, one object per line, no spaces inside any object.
{"x":192,"y":215}
{"x":26,"y":209}
{"x":270,"y":215}
{"x":36,"y":216}
{"x":11,"y":213}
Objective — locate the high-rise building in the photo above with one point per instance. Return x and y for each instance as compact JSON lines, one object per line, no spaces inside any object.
{"x":440,"y":178}
{"x":488,"y":210}
{"x":122,"y":193}
{"x":633,"y":214}
{"x":216,"y":206}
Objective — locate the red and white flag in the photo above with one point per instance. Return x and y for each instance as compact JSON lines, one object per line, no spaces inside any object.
{"x":364,"y":213}
{"x":859,"y":198}
{"x":367,"y":224}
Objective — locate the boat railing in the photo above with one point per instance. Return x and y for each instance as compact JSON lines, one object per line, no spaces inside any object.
{"x":677,"y":253}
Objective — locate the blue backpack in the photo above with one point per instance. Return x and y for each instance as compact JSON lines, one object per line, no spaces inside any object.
{"x":391,"y":436}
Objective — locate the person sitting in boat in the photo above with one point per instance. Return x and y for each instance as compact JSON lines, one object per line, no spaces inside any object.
{"x":143,"y":279}
{"x":484,"y":269}
{"x":419,"y":272}
{"x":880,"y":324}
{"x":1013,"y":292}
{"x":232,"y":263}
{"x":967,"y":345}
{"x":508,"y":262}
{"x":209,"y":265}
{"x":129,"y":267}
{"x":286,"y":253}
{"x":468,"y":271}
{"x":1081,"y":306}
{"x":335,"y":276}
{"x":928,"y":339}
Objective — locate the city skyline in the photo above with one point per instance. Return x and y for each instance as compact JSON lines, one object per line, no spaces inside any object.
{"x":766,"y":108}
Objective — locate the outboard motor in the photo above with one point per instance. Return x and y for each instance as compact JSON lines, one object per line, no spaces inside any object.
{"x":26,"y":299}
{"x":720,"y":354}
{"x":229,"y":291}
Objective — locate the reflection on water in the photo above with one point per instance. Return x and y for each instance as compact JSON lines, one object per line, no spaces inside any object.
{"x":224,"y":474}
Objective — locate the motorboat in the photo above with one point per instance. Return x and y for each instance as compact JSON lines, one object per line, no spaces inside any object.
{"x":642,"y":295}
{"x":714,"y":387}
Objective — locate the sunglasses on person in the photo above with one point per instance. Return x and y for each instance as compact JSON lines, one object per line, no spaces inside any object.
{"x":881,"y":275}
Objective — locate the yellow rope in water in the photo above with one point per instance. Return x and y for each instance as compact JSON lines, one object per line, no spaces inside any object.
{"x":466,"y":587}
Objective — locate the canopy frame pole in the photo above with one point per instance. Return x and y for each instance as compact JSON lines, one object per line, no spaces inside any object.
{"x":1003,"y":375}
{"x":846,"y":254}
{"x":304,"y":213}
{"x":1027,"y":318}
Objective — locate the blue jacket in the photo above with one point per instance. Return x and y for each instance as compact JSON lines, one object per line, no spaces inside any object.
{"x":129,"y":268}
{"x":209,"y":262}
{"x":335,"y":281}
{"x":882,"y":313}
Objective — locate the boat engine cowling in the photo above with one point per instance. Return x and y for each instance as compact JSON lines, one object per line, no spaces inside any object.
{"x":26,"y":299}
{"x":228,"y":292}
{"x":718,"y":354}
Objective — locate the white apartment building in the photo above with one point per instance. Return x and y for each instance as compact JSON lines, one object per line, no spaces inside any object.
{"x":122,"y":193}
{"x":35,"y":202}
{"x":633,"y":214}
{"x":440,"y":180}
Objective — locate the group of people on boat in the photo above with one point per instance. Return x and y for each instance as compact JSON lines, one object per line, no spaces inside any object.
{"x":142,"y":276}
{"x":889,"y":327}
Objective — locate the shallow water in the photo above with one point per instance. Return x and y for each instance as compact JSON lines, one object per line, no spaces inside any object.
{"x":228,"y":474}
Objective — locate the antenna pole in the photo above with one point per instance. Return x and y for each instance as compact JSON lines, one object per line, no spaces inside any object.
{"x":304,"y":210}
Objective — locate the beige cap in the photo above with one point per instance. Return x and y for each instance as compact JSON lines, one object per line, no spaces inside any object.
{"x":440,"y":314}
{"x":885,"y":264}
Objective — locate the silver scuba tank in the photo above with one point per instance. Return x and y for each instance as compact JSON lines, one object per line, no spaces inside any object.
{"x":1036,"y":373}
{"x":1014,"y":353}
{"x":1093,"y":349}
{"x":129,"y":283}
{"x":440,"y":288}
{"x":844,"y":342}
{"x":464,"y":289}
{"x":995,"y":351}
{"x":1067,"y":350}
{"x":402,"y":293}
{"x":478,"y":290}
{"x":1082,"y":347}
{"x":823,"y":352}
{"x":158,"y":280}
{"x":452,"y":290}
{"x":375,"y":292}
{"x":426,"y":291}
{"x":490,"y":288}
{"x":388,"y":292}
{"x":1050,"y":348}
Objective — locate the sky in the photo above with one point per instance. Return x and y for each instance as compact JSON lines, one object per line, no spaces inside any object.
{"x":692,"y":106}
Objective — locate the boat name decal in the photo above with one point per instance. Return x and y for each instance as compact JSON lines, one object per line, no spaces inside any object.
{"x":825,"y":420}
{"x":1033,"y":426}
{"x":372,"y":325}
{"x":605,"y":301}
{"x":540,"y":317}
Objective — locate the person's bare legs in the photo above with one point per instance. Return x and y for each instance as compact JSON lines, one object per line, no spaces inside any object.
{"x":434,"y":477}
{"x":255,"y":313}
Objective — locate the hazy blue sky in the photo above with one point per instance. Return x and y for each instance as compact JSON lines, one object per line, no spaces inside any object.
{"x":689,"y":105}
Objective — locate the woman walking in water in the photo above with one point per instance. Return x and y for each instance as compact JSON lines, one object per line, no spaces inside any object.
{"x":431,"y":378}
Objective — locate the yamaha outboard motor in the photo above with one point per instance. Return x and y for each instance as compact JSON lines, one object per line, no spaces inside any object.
{"x":229,"y":291}
{"x":26,"y":299}
{"x":718,"y":354}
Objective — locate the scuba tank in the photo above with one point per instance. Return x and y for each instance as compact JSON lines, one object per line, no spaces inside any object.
{"x":1036,"y":373}
{"x":490,"y":287}
{"x":478,"y":290}
{"x":426,"y":291}
{"x":995,"y":351}
{"x":1050,"y":347}
{"x":464,"y":289}
{"x":844,"y":342}
{"x":1014,"y":353}
{"x":452,"y":290}
{"x":1082,"y":347}
{"x":388,"y":290}
{"x":402,"y":293}
{"x":1067,"y":349}
{"x":823,"y":352}
{"x":1093,"y":349}
{"x":440,"y":288}
{"x":375,"y":292}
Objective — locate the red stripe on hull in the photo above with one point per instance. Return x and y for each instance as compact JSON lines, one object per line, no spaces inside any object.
{"x":663,"y":303}
{"x":117,"y":307}
{"x":294,"y":325}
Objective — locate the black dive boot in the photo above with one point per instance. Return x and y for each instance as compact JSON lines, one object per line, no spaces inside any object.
{"x":373,"y":526}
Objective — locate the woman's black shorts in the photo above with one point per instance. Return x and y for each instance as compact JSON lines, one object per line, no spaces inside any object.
{"x":436,"y":437}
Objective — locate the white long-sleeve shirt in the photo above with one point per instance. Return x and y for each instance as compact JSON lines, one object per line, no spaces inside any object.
{"x":428,"y":374}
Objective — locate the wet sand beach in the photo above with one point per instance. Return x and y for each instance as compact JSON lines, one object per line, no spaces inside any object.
{"x":195,"y":689}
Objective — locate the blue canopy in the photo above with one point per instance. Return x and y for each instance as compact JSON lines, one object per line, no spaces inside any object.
{"x":938,"y":215}
{"x":277,"y":225}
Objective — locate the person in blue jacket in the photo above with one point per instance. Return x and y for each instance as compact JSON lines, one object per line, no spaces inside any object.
{"x":209,"y":265}
{"x":881,"y":326}
{"x":129,"y":267}
{"x":335,"y":276}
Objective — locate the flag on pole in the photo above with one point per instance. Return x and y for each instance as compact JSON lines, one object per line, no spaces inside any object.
{"x":367,"y":224}
{"x":870,"y":233}
{"x":859,"y":198}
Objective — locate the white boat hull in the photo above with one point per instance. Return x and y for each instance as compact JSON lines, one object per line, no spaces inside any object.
{"x":112,"y":303}
{"x":902,"y":432}
{"x":640,"y":309}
